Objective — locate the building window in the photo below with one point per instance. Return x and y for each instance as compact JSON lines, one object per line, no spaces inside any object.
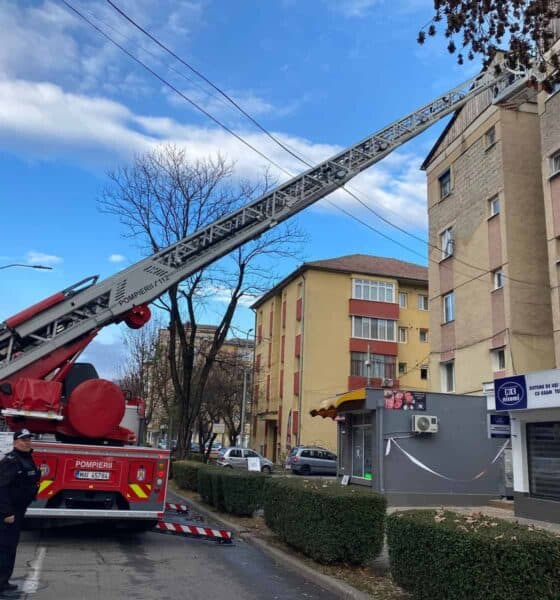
{"x":448,"y":377}
{"x":403,"y":335}
{"x":379,"y":291}
{"x":447,"y":243}
{"x":424,"y":373}
{"x":402,"y":368}
{"x":424,"y":336}
{"x":499,"y":359}
{"x":422,"y":302}
{"x":449,"y":307}
{"x":494,"y":206}
{"x":555,"y":164}
{"x":373,"y":329}
{"x":498,"y":276}
{"x":379,"y":366}
{"x":445,"y":184}
{"x":490,"y":137}
{"x":403,"y":299}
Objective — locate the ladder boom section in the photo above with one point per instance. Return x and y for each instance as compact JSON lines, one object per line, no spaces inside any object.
{"x":106,"y":302}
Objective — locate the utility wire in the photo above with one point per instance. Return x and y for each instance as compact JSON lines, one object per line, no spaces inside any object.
{"x":262,"y":155}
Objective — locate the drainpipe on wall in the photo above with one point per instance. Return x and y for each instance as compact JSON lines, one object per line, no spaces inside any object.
{"x":300,"y":399}
{"x":379,"y":413}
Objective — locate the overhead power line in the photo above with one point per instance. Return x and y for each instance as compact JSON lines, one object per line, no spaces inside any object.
{"x":271,"y":136}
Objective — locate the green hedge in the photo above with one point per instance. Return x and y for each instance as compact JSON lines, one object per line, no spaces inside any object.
{"x":242,"y":492}
{"x":437,"y":554}
{"x":204,"y":483}
{"x":329,"y":522}
{"x":185,"y":473}
{"x":236,"y":492}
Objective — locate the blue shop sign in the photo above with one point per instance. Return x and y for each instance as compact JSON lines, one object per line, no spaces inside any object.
{"x":511,"y":393}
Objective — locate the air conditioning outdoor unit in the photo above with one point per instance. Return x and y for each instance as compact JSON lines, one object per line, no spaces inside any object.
{"x":386,"y":382}
{"x":424,"y":424}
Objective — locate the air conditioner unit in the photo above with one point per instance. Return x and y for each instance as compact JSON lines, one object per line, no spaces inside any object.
{"x":386,"y":382}
{"x":424,"y":424}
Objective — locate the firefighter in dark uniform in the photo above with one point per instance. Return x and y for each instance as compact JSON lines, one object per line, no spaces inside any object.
{"x":19,"y":481}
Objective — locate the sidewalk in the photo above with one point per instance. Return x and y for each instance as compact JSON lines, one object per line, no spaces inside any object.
{"x":291,"y":561}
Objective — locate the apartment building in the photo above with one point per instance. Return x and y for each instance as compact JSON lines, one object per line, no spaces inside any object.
{"x":329,"y":327}
{"x":490,"y":304}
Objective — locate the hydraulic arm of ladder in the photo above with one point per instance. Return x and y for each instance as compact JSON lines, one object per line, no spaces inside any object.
{"x":78,"y":312}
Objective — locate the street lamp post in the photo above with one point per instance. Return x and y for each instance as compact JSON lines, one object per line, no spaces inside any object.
{"x":26,"y":266}
{"x":244,"y":399}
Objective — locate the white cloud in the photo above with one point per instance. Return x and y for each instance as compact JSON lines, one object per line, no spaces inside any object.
{"x":222,"y":294}
{"x":42,"y":121}
{"x":117,"y":258}
{"x":40,"y":258}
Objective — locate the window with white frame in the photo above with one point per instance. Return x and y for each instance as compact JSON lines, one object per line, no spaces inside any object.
{"x":445,"y":184}
{"x":555,"y":164}
{"x":369,"y":328}
{"x":448,"y":377}
{"x":422,"y":302}
{"x":494,"y":206}
{"x":403,"y":335}
{"x":490,"y":137}
{"x":424,"y":336}
{"x":498,"y":275}
{"x":449,"y":307}
{"x":447,"y":242}
{"x":368,"y":289}
{"x":372,"y":365}
{"x":403,"y":299}
{"x":499,"y":359}
{"x":402,"y":368}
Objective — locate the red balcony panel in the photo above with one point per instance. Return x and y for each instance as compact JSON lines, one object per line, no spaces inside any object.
{"x":259,"y":334}
{"x":282,"y":349}
{"x":281,"y":386}
{"x":370,"y":308}
{"x":256,"y":392}
{"x":268,"y":389}
{"x":375,"y":346}
{"x":299,"y":309}
{"x":269,"y":354}
{"x":298,"y":346}
{"x":270,"y":322}
{"x":284,"y":314}
{"x":279,"y":421}
{"x":296,"y":383}
{"x":258,"y":363}
{"x":355,"y":382}
{"x":295,"y":422}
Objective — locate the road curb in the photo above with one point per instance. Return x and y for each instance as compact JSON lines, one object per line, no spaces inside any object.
{"x":343,"y":590}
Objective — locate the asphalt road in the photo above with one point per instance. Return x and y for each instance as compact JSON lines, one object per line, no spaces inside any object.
{"x":98,"y":563}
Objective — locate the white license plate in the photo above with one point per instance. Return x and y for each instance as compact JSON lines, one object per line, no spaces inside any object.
{"x":103,"y":475}
{"x":288,"y":467}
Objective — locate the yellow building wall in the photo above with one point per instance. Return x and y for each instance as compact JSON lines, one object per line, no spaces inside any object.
{"x":324,"y":363}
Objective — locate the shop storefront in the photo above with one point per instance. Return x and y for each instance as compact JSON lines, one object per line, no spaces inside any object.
{"x":419,"y":449}
{"x":533,"y":403}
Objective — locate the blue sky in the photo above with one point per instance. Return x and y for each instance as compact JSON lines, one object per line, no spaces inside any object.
{"x":320,"y":74}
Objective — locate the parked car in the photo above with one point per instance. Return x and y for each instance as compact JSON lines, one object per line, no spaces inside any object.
{"x":306,"y":460}
{"x":236,"y":458}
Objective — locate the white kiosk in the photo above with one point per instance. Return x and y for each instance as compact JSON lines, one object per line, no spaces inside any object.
{"x":533,"y":403}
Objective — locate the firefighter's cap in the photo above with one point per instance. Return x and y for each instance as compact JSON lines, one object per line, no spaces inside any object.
{"x":22,"y":434}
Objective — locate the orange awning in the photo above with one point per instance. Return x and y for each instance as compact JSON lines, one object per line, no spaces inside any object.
{"x":329,"y":407}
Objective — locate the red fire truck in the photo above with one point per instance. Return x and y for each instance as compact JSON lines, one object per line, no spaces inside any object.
{"x":91,"y":467}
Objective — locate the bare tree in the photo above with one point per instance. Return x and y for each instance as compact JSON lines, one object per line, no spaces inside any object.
{"x":146,"y":371}
{"x":161,"y":198}
{"x":527,"y":29}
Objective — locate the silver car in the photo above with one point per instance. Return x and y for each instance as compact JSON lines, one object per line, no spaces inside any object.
{"x":306,"y":460}
{"x":236,"y":458}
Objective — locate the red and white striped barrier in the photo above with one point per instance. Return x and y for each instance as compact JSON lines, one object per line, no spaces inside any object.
{"x":177,"y":507}
{"x":219,"y":535}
